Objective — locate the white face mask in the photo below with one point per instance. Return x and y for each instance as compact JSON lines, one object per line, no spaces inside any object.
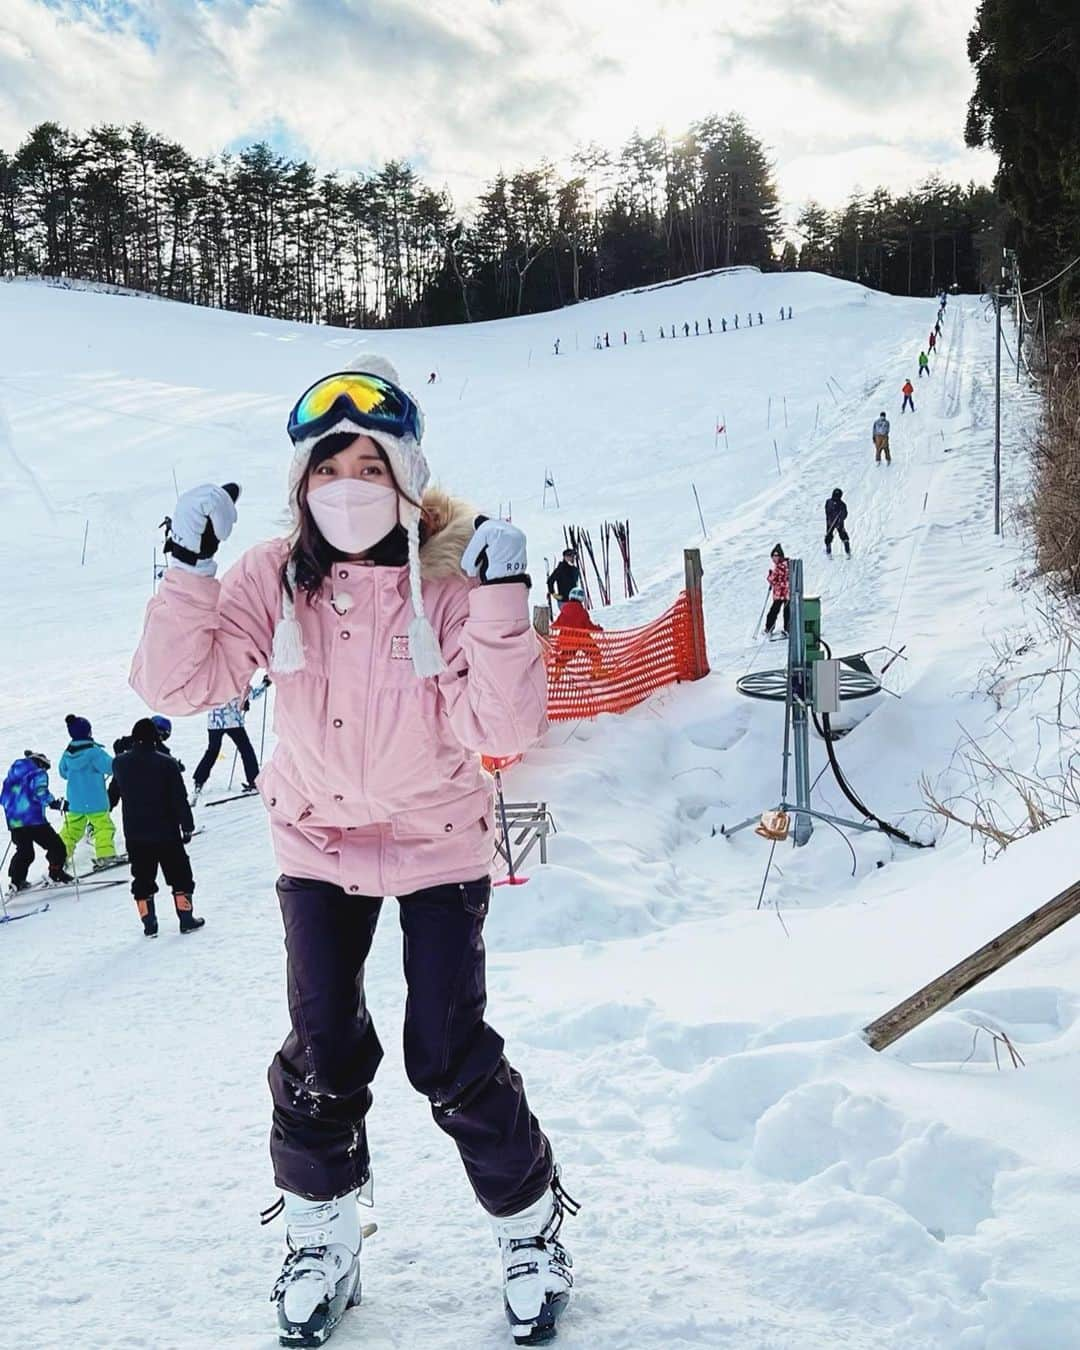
{"x":353,"y":515}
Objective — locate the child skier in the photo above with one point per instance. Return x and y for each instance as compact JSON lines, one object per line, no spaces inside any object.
{"x":574,"y":629}
{"x":931,"y":341}
{"x":157,"y":825}
{"x":781,"y":591}
{"x":924,"y":365}
{"x":908,"y":402}
{"x":86,"y":766}
{"x":835,"y":516}
{"x":397,"y":631}
{"x":881,"y":439}
{"x":228,"y":720}
{"x":24,"y":797}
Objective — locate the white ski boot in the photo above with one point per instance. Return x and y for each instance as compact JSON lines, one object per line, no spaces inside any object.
{"x":320,"y":1279}
{"x":536,"y":1266}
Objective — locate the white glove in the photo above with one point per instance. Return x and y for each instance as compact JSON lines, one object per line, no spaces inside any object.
{"x":496,"y":552}
{"x":195,"y":509}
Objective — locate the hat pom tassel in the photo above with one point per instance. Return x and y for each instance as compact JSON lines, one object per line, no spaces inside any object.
{"x":424,"y":649}
{"x":287,"y":654}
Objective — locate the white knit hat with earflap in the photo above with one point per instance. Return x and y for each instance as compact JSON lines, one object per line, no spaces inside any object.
{"x":411,"y":474}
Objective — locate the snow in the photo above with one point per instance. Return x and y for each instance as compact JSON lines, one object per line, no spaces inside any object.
{"x":751,"y":1173}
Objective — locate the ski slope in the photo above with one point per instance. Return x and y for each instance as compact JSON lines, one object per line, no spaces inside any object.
{"x":751,"y":1174}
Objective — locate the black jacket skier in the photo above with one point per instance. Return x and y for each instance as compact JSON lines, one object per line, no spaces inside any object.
{"x":565,"y":577}
{"x":835,"y":516}
{"x":157,"y":825}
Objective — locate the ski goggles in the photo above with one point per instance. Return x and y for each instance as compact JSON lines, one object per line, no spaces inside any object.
{"x":365,"y":400}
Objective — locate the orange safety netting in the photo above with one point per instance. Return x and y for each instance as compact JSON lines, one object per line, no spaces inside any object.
{"x":608,"y":672}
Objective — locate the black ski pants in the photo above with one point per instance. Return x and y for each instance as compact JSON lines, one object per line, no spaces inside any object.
{"x":838,"y":529}
{"x":24,"y":837}
{"x":774,"y":610}
{"x":239,"y":737}
{"x":171,"y":856}
{"x":321,"y":1078}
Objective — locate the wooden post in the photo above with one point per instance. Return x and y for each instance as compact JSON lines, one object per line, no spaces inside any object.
{"x":973,"y":969}
{"x":542,"y":620}
{"x":692,"y":565}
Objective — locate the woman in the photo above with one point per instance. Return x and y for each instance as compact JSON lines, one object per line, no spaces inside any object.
{"x":394,"y":671}
{"x":780,"y":586}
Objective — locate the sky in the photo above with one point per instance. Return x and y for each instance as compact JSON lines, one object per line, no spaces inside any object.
{"x":844,"y":93}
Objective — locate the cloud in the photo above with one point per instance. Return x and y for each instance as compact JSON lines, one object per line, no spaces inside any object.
{"x":466,"y":87}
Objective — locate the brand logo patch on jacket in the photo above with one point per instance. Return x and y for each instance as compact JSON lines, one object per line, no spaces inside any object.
{"x":399,"y":648}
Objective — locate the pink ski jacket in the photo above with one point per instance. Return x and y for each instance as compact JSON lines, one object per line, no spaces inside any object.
{"x":376,"y":783}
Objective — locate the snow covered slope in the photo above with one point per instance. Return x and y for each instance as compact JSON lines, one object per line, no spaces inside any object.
{"x":752,"y":1174}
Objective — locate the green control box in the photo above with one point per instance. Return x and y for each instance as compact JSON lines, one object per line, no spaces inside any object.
{"x":811,"y":609}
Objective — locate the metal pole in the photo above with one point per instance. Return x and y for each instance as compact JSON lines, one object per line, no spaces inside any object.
{"x":997,"y":413}
{"x":262,"y":734}
{"x":799,"y":686}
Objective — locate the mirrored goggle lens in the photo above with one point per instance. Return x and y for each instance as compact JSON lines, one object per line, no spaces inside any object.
{"x":368,"y":394}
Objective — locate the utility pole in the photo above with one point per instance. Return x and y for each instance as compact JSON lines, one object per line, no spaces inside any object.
{"x":997,"y":412}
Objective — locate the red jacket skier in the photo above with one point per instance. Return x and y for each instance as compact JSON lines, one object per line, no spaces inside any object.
{"x":573,"y":633}
{"x":780,"y":583}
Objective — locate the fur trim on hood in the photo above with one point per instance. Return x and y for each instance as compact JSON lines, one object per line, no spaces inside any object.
{"x":450,"y":522}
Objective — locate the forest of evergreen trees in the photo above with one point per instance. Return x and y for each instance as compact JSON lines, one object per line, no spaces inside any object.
{"x":260,"y":233}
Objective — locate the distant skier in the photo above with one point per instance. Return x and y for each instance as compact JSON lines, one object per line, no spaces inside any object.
{"x":780,"y":584}
{"x":789,"y":311}
{"x":228,"y":720}
{"x":598,"y":344}
{"x":908,"y":390}
{"x":87,"y":766}
{"x":881,"y":439}
{"x":662,"y":334}
{"x":607,"y":340}
{"x":697,"y":330}
{"x":924,"y":365}
{"x":556,"y":344}
{"x":932,"y":341}
{"x":672,"y":330}
{"x":565,"y":577}
{"x":736,"y":321}
{"x":835,"y":516}
{"x":749,"y":321}
{"x":432,"y":377}
{"x":760,"y":318}
{"x":686,"y":330}
{"x":25,"y":797}
{"x":574,"y":629}
{"x":723,"y":324}
{"x":624,"y":337}
{"x":641,"y":334}
{"x":709,"y":322}
{"x":937,"y":326}
{"x":157,"y":825}
{"x":781,"y":313}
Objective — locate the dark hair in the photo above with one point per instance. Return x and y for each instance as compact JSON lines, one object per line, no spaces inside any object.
{"x":569,"y":552}
{"x":312,"y":555}
{"x":776,"y":549}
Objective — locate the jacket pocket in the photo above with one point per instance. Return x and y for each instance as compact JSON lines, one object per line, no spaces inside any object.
{"x":282,"y":800}
{"x":442,"y":820}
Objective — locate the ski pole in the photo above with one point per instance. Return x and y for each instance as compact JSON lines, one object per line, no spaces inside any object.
{"x":764,"y":607}
{"x":232,"y":771}
{"x":262,"y":733}
{"x":512,"y":879}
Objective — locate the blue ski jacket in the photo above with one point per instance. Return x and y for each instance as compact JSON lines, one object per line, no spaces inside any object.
{"x":86,"y":765}
{"x":25,"y":794}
